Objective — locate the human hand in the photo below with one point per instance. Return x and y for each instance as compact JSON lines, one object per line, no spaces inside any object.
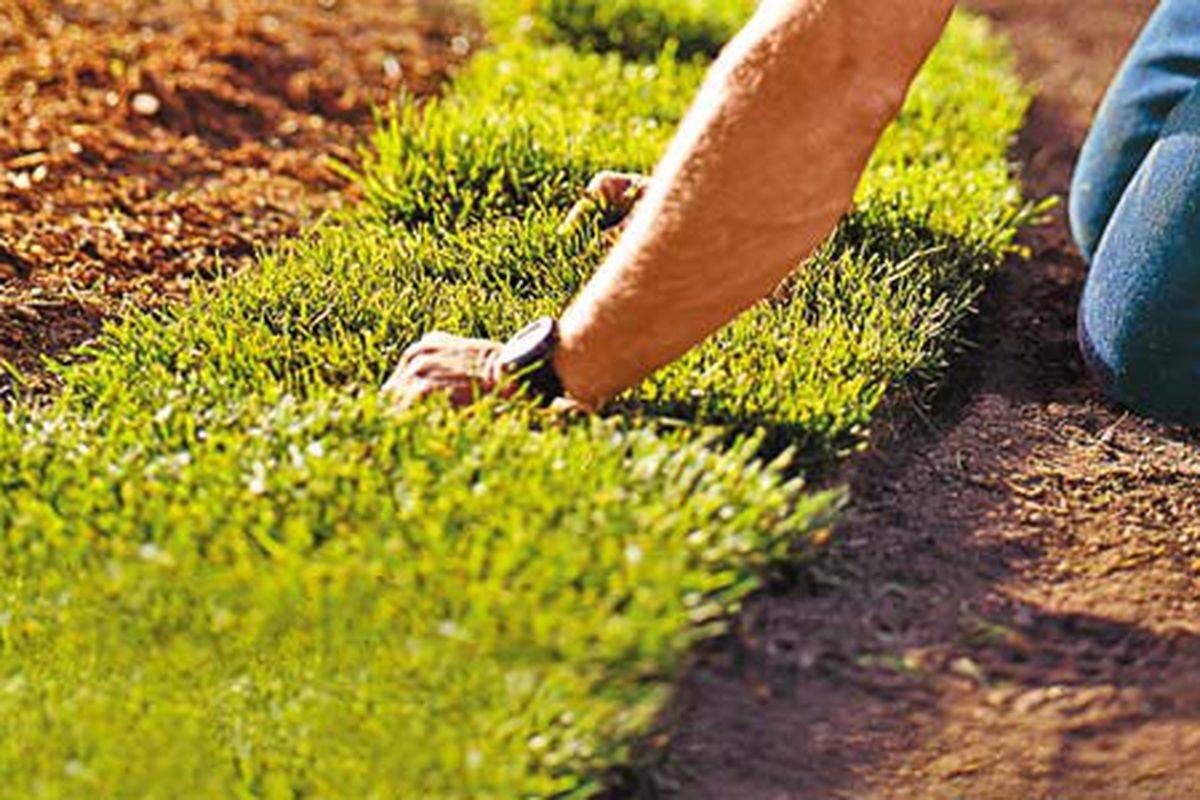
{"x":615,"y":195}
{"x":463,"y":369}
{"x":466,"y":369}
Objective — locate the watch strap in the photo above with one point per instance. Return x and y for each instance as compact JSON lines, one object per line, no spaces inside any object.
{"x":528,"y":358}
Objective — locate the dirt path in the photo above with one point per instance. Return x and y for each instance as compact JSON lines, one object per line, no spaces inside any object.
{"x":144,"y":143}
{"x":1014,"y":608}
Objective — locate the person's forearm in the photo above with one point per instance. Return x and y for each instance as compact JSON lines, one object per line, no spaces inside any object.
{"x":764,"y":166}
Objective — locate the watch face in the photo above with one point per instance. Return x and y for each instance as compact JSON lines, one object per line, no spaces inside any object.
{"x":529,"y":357}
{"x":529,"y":346}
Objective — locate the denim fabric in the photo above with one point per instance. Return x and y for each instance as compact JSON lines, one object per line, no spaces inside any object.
{"x":1135,"y":212}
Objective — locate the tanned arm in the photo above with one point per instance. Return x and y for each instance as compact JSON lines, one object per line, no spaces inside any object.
{"x":763,"y":168}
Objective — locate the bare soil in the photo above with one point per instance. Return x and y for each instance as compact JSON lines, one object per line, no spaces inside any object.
{"x":145,"y":144}
{"x":1012,"y":609}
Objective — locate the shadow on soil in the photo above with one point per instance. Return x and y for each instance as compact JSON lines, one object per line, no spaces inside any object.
{"x":822,"y":686}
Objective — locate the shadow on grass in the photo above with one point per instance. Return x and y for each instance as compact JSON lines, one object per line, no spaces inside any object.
{"x":947,"y":271}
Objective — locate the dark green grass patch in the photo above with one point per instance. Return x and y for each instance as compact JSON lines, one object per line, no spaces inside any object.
{"x":636,"y":29}
{"x":526,"y":126}
{"x":229,"y":572}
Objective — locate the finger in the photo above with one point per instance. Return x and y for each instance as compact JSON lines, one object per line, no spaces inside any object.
{"x":391,"y":388}
{"x":412,"y":352}
{"x":423,"y":346}
{"x":569,"y":407}
{"x":576,"y":216}
{"x":617,"y":187}
{"x":422,"y":366}
{"x":396,"y":382}
{"x":464,"y":393}
{"x":603,"y":181}
{"x":612,"y":183}
{"x":614,"y":192}
{"x":621,"y":195}
{"x":414,"y":392}
{"x":458,"y":390}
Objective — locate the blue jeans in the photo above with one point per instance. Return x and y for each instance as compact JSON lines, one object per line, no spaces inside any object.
{"x":1135,"y":212}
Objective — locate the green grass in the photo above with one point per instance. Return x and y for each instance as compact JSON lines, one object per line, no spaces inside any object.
{"x":229,"y":572}
{"x":496,"y":147}
{"x":639,"y":30}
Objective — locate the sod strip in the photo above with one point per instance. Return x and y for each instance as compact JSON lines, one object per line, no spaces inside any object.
{"x":229,"y":572}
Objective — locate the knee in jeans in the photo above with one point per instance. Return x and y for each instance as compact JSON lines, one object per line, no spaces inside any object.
{"x":1140,"y":364}
{"x":1089,"y":212}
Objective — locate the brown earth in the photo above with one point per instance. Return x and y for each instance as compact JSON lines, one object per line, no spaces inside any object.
{"x":145,"y":144}
{"x":1013,"y":609}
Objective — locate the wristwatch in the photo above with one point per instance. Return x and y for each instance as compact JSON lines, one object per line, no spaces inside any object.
{"x":529,"y":359}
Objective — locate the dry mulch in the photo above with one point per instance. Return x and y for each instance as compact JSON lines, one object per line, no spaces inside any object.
{"x":145,"y":144}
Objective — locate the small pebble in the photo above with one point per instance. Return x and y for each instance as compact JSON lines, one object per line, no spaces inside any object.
{"x":146,"y":105}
